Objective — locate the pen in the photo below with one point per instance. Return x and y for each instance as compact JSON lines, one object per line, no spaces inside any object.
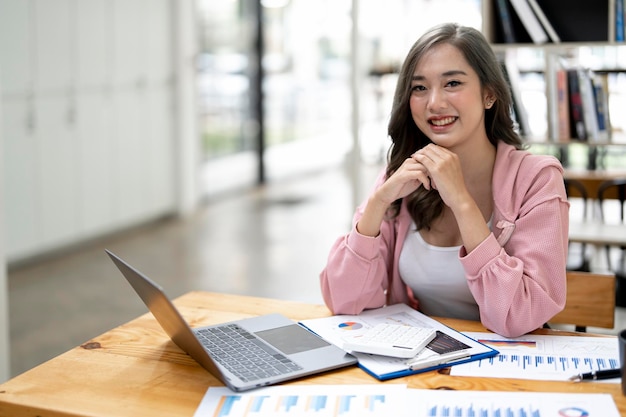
{"x":435,"y":360}
{"x":595,"y":375}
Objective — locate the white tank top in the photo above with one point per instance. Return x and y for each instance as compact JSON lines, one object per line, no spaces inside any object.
{"x":437,"y":278}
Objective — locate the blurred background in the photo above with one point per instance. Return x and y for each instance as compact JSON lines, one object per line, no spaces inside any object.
{"x":311,"y":57}
{"x":216,"y":145}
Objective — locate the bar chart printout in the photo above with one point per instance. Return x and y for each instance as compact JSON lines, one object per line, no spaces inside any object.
{"x":543,"y":357}
{"x":509,"y":404}
{"x":313,"y":400}
{"x":399,"y":401}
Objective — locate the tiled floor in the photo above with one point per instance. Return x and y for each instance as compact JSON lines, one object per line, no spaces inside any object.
{"x":267,"y":242}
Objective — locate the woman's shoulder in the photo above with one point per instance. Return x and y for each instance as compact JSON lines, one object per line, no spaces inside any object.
{"x":513,"y":161}
{"x":521,"y":176}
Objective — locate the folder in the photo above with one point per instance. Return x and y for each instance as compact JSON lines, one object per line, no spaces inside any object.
{"x":449,"y":348}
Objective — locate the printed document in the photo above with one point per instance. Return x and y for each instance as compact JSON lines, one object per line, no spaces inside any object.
{"x":450,"y":347}
{"x":385,"y":400}
{"x":543,"y":357}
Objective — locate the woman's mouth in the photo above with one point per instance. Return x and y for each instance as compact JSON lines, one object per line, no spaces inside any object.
{"x":443,"y":121}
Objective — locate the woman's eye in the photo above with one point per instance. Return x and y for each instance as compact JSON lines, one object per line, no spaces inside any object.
{"x":418,"y":88}
{"x":453,"y":83}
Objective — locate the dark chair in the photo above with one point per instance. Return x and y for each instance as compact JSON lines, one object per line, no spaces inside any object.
{"x":577,"y":258}
{"x":615,"y":189}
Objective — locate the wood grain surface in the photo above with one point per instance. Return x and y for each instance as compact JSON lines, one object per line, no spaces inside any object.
{"x":135,"y":369}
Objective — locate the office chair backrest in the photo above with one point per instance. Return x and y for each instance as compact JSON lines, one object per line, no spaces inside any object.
{"x":575,"y":188}
{"x":590,"y":301}
{"x":613,"y":189}
{"x":577,"y":258}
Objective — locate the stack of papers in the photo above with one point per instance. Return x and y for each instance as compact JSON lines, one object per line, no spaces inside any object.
{"x":543,"y":357}
{"x":398,"y":401}
{"x":448,"y":348}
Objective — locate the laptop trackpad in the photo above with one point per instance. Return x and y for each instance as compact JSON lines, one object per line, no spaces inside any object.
{"x":291,"y":339}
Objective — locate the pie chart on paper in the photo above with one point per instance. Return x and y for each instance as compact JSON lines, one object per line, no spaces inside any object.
{"x":350,"y":325}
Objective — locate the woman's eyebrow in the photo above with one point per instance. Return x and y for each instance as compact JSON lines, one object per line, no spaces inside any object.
{"x":454,"y":72}
{"x":445,"y":74}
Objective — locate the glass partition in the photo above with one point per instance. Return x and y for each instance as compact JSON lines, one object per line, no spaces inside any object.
{"x":307,"y":101}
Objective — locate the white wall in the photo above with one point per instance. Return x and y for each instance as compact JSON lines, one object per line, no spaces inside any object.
{"x":92,"y":104}
{"x":188,"y":149}
{"x":4,"y":297}
{"x":98,"y":103}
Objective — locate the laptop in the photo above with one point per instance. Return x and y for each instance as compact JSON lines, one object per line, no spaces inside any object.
{"x":243,"y":354}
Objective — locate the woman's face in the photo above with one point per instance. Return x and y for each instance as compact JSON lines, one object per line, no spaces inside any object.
{"x":447,"y":102}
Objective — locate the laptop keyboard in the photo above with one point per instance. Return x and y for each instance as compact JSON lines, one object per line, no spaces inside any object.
{"x":243,"y":354}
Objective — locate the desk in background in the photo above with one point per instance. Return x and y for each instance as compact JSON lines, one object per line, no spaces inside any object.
{"x":136,"y":370}
{"x":597,"y":233}
{"x":592,"y":179}
{"x":592,"y":230}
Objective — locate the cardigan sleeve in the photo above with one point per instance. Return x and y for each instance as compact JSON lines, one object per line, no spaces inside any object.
{"x":357,"y":273}
{"x":521,"y":285}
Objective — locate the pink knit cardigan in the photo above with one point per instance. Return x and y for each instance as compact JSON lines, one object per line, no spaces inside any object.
{"x":516,"y":275}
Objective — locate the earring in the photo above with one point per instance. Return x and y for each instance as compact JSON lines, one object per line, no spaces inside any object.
{"x":489,"y":104}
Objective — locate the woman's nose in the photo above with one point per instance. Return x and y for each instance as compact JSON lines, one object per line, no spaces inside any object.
{"x":436,"y":99}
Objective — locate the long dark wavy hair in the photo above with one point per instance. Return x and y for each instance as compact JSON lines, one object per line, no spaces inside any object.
{"x":426,"y":205}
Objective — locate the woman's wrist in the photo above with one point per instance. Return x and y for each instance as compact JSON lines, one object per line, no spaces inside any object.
{"x":369,"y":223}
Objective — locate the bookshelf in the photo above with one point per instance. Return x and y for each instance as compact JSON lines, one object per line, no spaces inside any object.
{"x":597,"y":45}
{"x":576,"y":21}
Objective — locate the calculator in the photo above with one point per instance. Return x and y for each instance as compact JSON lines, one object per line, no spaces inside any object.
{"x":388,"y":339}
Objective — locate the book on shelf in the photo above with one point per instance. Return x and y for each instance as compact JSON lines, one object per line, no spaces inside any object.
{"x":588,"y":105}
{"x":531,"y":22}
{"x":564,"y":132}
{"x":585,"y":85}
{"x":512,"y":75}
{"x":578,"y":20}
{"x":541,"y":21}
{"x":619,"y":21}
{"x":505,"y":21}
{"x":545,"y":22}
{"x":577,"y":122}
{"x":600,"y":83}
{"x":510,"y":28}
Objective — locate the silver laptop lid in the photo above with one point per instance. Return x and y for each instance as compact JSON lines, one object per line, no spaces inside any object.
{"x":168,"y":316}
{"x":313,"y":353}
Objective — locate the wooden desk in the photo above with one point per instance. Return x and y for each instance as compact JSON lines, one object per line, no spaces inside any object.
{"x":592,"y":179}
{"x":136,"y":370}
{"x":597,"y":233}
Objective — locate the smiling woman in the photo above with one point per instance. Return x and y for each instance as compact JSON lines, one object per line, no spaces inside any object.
{"x":462,"y":222}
